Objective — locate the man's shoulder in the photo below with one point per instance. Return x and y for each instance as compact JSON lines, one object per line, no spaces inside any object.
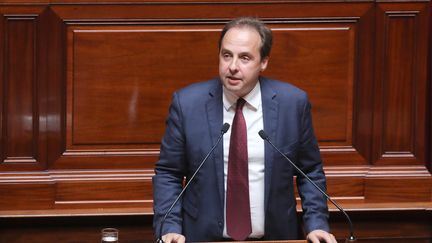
{"x":283,"y":88}
{"x":201,"y":87}
{"x":199,"y":92}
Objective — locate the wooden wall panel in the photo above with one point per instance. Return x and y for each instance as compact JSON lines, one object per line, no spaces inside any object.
{"x":91,"y":110}
{"x":85,"y":88}
{"x":142,"y":68}
{"x":125,"y":122}
{"x":429,"y":121}
{"x":22,"y":137}
{"x":216,"y":11}
{"x":398,"y":184}
{"x":103,"y":190}
{"x":21,"y":116}
{"x":27,"y":195}
{"x":53,"y":75}
{"x":328,"y":51}
{"x":131,"y":114}
{"x":2,"y":90}
{"x":321,"y":58}
{"x":20,"y":122}
{"x":401,"y":85}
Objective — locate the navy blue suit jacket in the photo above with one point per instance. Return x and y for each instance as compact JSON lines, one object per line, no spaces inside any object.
{"x":193,"y":126}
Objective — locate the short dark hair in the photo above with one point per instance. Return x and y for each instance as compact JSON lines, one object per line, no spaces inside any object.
{"x":256,"y":24}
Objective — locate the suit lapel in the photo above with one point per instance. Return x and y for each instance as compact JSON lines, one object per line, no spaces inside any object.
{"x":270,"y":118}
{"x":215,"y":118}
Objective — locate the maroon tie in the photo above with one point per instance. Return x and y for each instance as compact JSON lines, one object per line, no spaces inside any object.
{"x":237,"y":202}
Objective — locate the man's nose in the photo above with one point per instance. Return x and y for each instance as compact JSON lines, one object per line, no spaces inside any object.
{"x":233,"y":67}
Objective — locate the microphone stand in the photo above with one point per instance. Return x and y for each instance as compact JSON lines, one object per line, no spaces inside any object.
{"x":351,"y":238}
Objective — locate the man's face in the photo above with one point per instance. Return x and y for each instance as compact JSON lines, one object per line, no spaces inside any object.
{"x":240,"y":63}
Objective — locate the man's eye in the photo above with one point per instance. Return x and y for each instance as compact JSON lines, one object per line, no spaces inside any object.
{"x":245,"y":58}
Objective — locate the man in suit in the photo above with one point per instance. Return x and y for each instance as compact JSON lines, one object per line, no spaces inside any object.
{"x":208,"y":209}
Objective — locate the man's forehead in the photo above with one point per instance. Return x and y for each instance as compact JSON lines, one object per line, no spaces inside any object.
{"x":242,"y":29}
{"x":245,"y":37}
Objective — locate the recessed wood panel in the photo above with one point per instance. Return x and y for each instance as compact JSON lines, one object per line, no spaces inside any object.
{"x":143,"y":73}
{"x":27,"y":195}
{"x":22,"y":142}
{"x":398,"y":189}
{"x":121,"y":81}
{"x":323,"y":59}
{"x":400,"y":86}
{"x":103,"y":193}
{"x":398,"y":184}
{"x":2,"y":90}
{"x":132,"y":52}
{"x":103,"y":190}
{"x":346,"y":183}
{"x":319,"y":58}
{"x":400,"y":121}
{"x":20,"y":123}
{"x":121,"y":78}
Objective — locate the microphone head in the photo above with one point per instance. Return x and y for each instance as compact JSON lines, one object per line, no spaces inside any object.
{"x":225,"y":128}
{"x":263,"y":135}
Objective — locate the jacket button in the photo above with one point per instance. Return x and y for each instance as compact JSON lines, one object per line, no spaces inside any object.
{"x":220,"y":224}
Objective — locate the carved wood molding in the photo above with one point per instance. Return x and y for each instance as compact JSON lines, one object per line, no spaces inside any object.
{"x":81,"y":189}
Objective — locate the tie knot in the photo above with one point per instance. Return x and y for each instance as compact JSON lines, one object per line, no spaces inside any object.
{"x":240,"y":103}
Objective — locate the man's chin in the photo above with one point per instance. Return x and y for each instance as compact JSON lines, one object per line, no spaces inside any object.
{"x":232,"y":87}
{"x":235,"y":90}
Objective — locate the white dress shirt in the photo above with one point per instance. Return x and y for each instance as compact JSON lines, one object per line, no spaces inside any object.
{"x":252,"y":112}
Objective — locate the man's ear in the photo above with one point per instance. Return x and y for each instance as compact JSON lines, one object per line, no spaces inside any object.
{"x":264,"y":63}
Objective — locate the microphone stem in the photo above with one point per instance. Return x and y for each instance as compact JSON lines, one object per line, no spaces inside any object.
{"x":351,"y":238}
{"x":187,"y":184}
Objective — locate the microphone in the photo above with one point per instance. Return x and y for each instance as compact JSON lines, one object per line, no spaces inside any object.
{"x":224,"y":129}
{"x":351,"y":238}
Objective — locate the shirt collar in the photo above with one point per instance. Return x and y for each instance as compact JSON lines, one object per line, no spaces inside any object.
{"x":253,"y":98}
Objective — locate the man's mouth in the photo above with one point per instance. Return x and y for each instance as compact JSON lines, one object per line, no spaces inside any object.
{"x":233,"y":78}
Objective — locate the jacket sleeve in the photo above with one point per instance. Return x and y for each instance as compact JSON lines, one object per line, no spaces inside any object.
{"x":169,"y":173}
{"x":314,"y":204}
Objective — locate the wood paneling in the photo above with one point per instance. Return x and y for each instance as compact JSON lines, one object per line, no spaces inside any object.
{"x":401,"y":84}
{"x":430,"y":93}
{"x":393,"y":226}
{"x":398,"y":184}
{"x":109,"y":192}
{"x":308,"y":48}
{"x":22,"y":135}
{"x":328,"y":49}
{"x":78,"y":229}
{"x":371,"y":226}
{"x":27,"y":194}
{"x":52,"y":76}
{"x":321,"y":58}
{"x":217,"y":11}
{"x":130,"y":113}
{"x":20,"y":125}
{"x":85,"y":88}
{"x":119,"y":93}
{"x":76,"y":189}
